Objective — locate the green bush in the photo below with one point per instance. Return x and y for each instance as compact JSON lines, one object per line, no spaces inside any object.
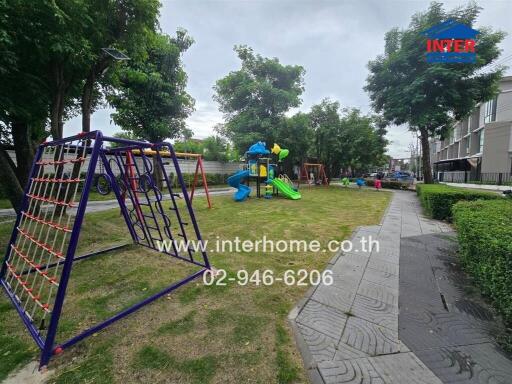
{"x":438,"y":199}
{"x":211,"y":179}
{"x":484,"y":229}
{"x":388,"y":184}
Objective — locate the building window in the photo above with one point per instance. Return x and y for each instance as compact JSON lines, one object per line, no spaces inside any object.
{"x":490,"y":110}
{"x":468,"y":143}
{"x":481,"y":141}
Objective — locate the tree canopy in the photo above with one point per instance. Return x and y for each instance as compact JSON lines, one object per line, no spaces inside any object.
{"x":255,"y":98}
{"x":149,"y":97}
{"x":430,"y":97}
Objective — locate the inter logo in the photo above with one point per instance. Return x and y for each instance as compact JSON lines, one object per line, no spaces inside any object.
{"x":450,"y":42}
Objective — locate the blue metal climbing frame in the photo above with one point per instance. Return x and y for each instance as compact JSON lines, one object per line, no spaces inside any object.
{"x":41,"y":252}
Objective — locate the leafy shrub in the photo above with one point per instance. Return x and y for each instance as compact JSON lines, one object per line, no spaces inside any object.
{"x":211,"y":179}
{"x":388,"y":184}
{"x":438,"y":199}
{"x":484,"y":229}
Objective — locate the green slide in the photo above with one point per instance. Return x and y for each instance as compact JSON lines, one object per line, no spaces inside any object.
{"x":285,"y":189}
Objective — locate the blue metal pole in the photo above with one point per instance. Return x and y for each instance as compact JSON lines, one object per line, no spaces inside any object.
{"x":126,"y":312}
{"x":176,"y":210}
{"x":76,"y":258}
{"x":120,"y":200}
{"x":73,"y":242}
{"x":30,"y":326}
{"x":187,"y":200}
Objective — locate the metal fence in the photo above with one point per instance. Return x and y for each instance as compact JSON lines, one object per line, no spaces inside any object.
{"x":467,"y":177}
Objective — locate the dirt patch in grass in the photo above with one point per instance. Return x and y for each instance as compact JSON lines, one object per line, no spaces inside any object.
{"x":198,"y":334}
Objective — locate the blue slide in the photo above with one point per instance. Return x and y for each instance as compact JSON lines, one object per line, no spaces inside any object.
{"x":243,"y":190}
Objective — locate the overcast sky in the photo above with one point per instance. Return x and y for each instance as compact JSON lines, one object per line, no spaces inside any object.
{"x":332,"y":40}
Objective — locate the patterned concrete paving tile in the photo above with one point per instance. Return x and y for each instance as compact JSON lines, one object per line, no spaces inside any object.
{"x":376,"y":312}
{"x":427,"y":227}
{"x":382,"y":278}
{"x":384,"y":266}
{"x":424,"y":329}
{"x":378,"y":292}
{"x":370,"y":338}
{"x":354,"y":259}
{"x":472,"y":309}
{"x":321,"y":347}
{"x":322,"y":318}
{"x":349,"y":266}
{"x":415,"y":242}
{"x":358,"y":371}
{"x":335,"y":297}
{"x":472,"y":364}
{"x":387,"y":254}
{"x":423,"y":297}
{"x":346,"y":352}
{"x":387,"y":236}
{"x":416,"y":278}
{"x":346,"y":281}
{"x":370,"y":229}
{"x":403,"y":368}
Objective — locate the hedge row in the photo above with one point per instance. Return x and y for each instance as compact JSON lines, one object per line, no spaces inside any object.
{"x":484,"y":229}
{"x":438,"y":199}
{"x":389,"y":184}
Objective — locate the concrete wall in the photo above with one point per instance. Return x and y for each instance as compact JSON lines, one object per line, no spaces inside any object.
{"x":497,"y":151}
{"x":186,"y":166}
{"x":504,"y":106}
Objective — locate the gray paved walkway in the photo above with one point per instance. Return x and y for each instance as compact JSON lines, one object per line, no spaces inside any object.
{"x":348,"y":332}
{"x":448,"y":326}
{"x":103,"y":205}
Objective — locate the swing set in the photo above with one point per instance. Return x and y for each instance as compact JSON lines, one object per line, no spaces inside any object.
{"x":42,"y":249}
{"x":320,"y":176}
{"x":199,"y":170}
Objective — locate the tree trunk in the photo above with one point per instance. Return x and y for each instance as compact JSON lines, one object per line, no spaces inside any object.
{"x":157,"y":174}
{"x":88,"y":91}
{"x":425,"y":149}
{"x":87,"y":102}
{"x":57,"y":104}
{"x":54,"y":117}
{"x":23,"y":149}
{"x":10,"y":182}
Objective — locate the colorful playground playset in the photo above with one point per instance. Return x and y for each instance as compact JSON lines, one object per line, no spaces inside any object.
{"x":265,"y":172}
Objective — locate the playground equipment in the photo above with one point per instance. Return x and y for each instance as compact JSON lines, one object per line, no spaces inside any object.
{"x":234,"y":181}
{"x":262,"y":170}
{"x":313,"y":173}
{"x":199,"y":170}
{"x":41,"y":252}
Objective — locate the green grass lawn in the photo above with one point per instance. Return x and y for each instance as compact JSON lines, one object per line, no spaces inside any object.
{"x":198,"y":334}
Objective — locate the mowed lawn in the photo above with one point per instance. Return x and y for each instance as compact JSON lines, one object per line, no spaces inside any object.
{"x":197,"y":334}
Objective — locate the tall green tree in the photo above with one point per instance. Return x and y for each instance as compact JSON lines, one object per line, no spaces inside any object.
{"x":50,"y":65}
{"x":295,"y":134}
{"x":124,"y":25}
{"x":150,"y":98}
{"x":345,"y":138}
{"x":215,"y":148}
{"x":255,"y":98}
{"x":429,"y":97}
